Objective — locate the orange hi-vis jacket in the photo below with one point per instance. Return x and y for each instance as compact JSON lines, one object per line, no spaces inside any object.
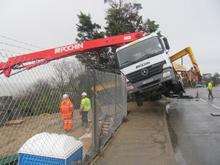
{"x":66,"y":109}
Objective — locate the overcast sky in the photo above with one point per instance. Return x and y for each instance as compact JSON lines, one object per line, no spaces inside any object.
{"x":51,"y":23}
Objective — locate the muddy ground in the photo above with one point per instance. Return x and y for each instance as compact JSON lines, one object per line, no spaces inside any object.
{"x":143,"y":139}
{"x":12,"y":137}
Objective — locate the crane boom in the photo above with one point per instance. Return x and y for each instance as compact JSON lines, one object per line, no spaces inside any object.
{"x":28,"y":61}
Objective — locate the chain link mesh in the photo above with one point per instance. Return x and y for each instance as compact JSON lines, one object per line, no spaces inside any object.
{"x":29,"y":105}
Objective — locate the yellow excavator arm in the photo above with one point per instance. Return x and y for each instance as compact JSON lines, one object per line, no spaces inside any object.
{"x":187,"y":51}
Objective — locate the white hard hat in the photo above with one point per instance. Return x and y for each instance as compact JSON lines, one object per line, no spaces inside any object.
{"x":84,"y":94}
{"x":65,"y":96}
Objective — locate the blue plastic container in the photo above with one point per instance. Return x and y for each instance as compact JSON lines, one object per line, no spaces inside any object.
{"x":52,"y":149}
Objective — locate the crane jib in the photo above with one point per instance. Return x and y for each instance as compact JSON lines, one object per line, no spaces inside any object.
{"x":34,"y":59}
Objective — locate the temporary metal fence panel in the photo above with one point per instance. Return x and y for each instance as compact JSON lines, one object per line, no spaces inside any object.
{"x":29,"y":105}
{"x":111,"y":104}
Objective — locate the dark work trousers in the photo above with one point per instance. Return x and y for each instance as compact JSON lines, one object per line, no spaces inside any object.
{"x":210,"y":94}
{"x":85,"y":119}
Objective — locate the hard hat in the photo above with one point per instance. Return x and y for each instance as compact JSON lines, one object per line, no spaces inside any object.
{"x":65,"y":96}
{"x":84,"y":94}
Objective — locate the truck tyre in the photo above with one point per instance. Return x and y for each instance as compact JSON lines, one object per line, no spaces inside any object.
{"x":180,"y":95}
{"x":139,"y":98}
{"x":139,"y":103}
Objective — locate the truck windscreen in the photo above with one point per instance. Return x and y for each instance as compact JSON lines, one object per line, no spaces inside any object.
{"x":139,"y":51}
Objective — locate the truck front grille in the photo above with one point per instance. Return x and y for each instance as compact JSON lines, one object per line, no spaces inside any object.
{"x":151,"y":71}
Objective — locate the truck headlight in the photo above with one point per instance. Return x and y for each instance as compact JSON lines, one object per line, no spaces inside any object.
{"x":166,"y":74}
{"x":165,"y":66}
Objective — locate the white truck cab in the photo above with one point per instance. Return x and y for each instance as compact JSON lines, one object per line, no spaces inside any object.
{"x":146,"y":65}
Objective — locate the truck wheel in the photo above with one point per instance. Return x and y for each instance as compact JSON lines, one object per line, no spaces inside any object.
{"x":139,"y":103}
{"x":180,"y":95}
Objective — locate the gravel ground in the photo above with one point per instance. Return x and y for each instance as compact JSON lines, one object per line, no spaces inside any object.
{"x":14,"y":136}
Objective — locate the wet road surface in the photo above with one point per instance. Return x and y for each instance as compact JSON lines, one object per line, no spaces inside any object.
{"x":203,"y":94}
{"x":195,"y":132}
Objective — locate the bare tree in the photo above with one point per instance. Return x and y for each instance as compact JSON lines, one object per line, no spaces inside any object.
{"x":68,"y":77}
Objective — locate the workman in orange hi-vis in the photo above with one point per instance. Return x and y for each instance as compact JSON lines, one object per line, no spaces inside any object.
{"x":66,"y":112}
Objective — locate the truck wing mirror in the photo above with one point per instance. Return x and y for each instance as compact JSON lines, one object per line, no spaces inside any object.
{"x":166,"y":43}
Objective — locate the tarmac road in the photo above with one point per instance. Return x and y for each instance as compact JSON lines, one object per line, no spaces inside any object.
{"x":195,"y":132}
{"x":203,"y":94}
